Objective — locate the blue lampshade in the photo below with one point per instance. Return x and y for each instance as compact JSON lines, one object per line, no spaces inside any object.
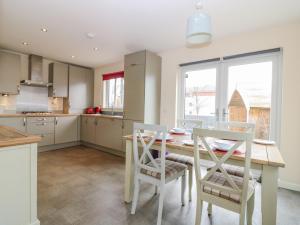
{"x":198,"y":29}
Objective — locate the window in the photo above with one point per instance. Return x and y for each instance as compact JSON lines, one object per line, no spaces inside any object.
{"x":243,"y":88}
{"x":113,"y":90}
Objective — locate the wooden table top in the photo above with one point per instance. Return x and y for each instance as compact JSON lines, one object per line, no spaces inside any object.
{"x":11,"y":137}
{"x":261,"y":154}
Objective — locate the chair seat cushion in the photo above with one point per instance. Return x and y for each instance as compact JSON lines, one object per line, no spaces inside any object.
{"x":219,"y":179}
{"x":172,"y":168}
{"x":187,"y":160}
{"x":234,"y":170}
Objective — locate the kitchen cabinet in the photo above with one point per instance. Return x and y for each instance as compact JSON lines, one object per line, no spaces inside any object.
{"x":10,"y":72}
{"x":142,"y":84}
{"x":43,"y":126}
{"x":66,"y":129}
{"x":18,"y":123}
{"x":81,"y":88}
{"x":109,"y":133}
{"x":127,"y":130}
{"x":58,"y":76}
{"x":88,"y":129}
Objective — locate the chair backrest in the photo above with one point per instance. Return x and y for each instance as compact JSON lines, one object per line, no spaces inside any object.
{"x":189,"y":124}
{"x":147,"y":134}
{"x":207,"y":138}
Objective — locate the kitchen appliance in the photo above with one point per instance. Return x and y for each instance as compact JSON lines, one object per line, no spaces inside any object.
{"x":97,"y":109}
{"x":35,"y":72}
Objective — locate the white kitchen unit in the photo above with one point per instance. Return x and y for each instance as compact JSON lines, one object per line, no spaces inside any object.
{"x":59,"y":77}
{"x":88,"y":129}
{"x":10,"y":72}
{"x":18,"y":178}
{"x":18,"y":123}
{"x":141,"y":89}
{"x":66,"y":129}
{"x":109,"y":132}
{"x":81,"y":88}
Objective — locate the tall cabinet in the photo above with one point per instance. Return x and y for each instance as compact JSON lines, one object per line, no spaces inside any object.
{"x":81,"y":88}
{"x":142,"y":88}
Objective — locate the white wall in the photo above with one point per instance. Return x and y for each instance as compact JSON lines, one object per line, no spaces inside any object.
{"x":287,"y":37}
{"x":98,"y":84}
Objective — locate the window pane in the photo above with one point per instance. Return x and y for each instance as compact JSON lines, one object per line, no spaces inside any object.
{"x":200,"y":93}
{"x":252,"y":100}
{"x":111,"y":93}
{"x":119,"y":93}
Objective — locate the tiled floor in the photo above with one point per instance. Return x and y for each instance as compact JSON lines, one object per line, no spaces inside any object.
{"x":83,"y":186}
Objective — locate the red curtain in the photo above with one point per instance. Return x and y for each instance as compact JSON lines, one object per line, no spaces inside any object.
{"x":109,"y":76}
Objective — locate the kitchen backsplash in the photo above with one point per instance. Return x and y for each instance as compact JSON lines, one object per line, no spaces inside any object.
{"x":8,"y":104}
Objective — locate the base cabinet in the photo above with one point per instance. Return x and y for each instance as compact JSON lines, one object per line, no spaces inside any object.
{"x":88,"y":129}
{"x":18,"y":123}
{"x":109,"y":133}
{"x":66,"y":129}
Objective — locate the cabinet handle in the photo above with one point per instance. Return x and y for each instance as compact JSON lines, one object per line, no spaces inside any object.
{"x":24,"y":121}
{"x":96,"y":122}
{"x":56,"y":121}
{"x":42,"y":119}
{"x":41,"y":124}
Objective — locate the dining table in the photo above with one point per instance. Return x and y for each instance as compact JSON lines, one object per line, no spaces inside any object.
{"x":264,"y":158}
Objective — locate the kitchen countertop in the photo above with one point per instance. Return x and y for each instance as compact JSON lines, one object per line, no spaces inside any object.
{"x":11,"y":137}
{"x":103,"y":116}
{"x":31,"y":115}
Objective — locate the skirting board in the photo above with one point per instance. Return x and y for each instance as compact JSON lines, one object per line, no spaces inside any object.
{"x":104,"y":149}
{"x":288,"y":185}
{"x":57,"y":146}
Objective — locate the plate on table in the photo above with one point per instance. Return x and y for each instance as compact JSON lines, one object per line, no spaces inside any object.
{"x":222,"y":145}
{"x":178,"y":131}
{"x":189,"y":143}
{"x":168,"y":137}
{"x":263,"y":142}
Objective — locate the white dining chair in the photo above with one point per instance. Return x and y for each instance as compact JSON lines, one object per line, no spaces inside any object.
{"x":187,"y":160}
{"x":158,"y":171}
{"x":218,"y":187}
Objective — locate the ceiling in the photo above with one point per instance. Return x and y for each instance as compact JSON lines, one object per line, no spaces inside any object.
{"x":124,"y":26}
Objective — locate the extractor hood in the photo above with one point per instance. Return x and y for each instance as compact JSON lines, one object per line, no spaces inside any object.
{"x":35,"y":72}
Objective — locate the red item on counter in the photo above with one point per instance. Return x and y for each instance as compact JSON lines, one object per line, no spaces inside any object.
{"x":89,"y":110}
{"x":97,"y":109}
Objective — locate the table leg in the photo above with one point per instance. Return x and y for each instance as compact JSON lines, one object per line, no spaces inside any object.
{"x":129,"y":172}
{"x":269,"y":195}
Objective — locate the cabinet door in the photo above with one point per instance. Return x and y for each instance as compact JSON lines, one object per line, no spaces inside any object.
{"x":134,"y":94}
{"x":88,"y":129}
{"x":18,"y":123}
{"x":10,"y":72}
{"x":127,"y":130}
{"x":81,"y":88}
{"x":66,"y":129}
{"x":58,"y":75}
{"x":109,"y":133}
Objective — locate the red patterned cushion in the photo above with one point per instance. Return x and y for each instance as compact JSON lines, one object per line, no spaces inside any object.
{"x":187,"y":160}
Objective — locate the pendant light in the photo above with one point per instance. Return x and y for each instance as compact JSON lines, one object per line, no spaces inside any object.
{"x":198,"y":27}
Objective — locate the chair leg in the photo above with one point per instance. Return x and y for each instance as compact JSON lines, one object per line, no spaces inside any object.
{"x":190,"y":182}
{"x":135,"y":195}
{"x":250,"y":209}
{"x":198,"y":211}
{"x":161,"y":203}
{"x":183,"y":185}
{"x":209,"y":209}
{"x":242,"y":217}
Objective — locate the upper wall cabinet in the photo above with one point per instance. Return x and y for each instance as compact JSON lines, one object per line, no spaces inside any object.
{"x":58,"y":75}
{"x":10,"y":72}
{"x":81,"y":88}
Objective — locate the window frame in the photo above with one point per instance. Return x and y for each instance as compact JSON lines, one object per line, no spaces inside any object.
{"x":106,"y":90}
{"x":222,"y":86}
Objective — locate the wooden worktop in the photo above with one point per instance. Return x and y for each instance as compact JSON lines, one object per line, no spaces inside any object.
{"x":36,"y":115}
{"x":261,"y":154}
{"x":11,"y":137}
{"x":103,"y":116}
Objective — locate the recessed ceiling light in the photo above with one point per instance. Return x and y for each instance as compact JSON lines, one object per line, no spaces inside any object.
{"x":90,"y":35}
{"x":95,"y":49}
{"x":73,"y":56}
{"x":44,"y":29}
{"x":25,"y":43}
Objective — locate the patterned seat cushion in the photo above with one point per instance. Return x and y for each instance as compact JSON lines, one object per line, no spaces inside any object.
{"x":234,"y":170}
{"x":218,"y":178}
{"x":172,"y":168}
{"x":187,"y":160}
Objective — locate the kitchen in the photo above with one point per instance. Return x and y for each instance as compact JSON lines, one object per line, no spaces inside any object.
{"x":110,"y":115}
